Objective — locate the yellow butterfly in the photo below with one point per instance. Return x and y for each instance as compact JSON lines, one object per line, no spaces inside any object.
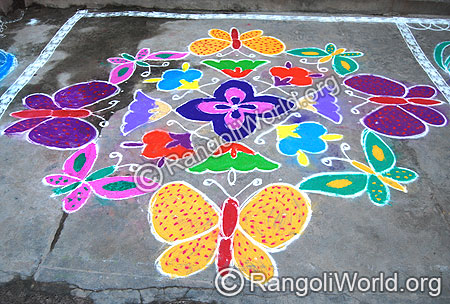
{"x":221,"y":40}
{"x":199,"y":233}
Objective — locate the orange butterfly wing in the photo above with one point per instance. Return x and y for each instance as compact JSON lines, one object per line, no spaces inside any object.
{"x":208,"y":46}
{"x":178,"y":212}
{"x":189,"y":257}
{"x":250,"y":35}
{"x":265,"y":45}
{"x":275,"y":216}
{"x":250,"y":258}
{"x":181,"y":216}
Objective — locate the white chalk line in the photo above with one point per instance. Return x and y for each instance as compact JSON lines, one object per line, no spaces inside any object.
{"x":361,"y":19}
{"x":422,"y":59}
{"x":9,"y":95}
{"x":47,"y":52}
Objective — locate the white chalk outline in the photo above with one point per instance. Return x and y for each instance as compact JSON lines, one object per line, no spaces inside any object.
{"x":42,"y":59}
{"x":401,"y":22}
{"x":422,"y":59}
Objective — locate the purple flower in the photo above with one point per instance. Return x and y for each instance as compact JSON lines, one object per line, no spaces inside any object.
{"x":234,"y":109}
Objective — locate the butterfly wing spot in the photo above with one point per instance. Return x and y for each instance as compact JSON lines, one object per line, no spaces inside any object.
{"x":178,"y":212}
{"x":275,"y":215}
{"x":265,"y":45}
{"x":249,"y":258}
{"x":208,"y":46}
{"x":189,"y":257}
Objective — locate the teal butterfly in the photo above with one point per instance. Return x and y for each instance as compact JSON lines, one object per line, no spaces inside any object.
{"x":442,"y":61}
{"x":342,"y":63}
{"x":375,"y":180}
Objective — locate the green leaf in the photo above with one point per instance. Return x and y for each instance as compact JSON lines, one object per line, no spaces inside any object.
{"x":330,"y":48}
{"x":308,"y":52}
{"x":142,"y":63}
{"x":439,"y":54}
{"x":79,"y":162}
{"x":378,"y":192}
{"x":401,"y":175}
{"x":101,"y":173}
{"x":378,"y":154}
{"x":344,"y":66}
{"x":336,"y":184}
{"x":127,"y":56}
{"x":119,"y":186}
{"x":243,"y":162}
{"x":228,"y":64}
{"x":69,"y":188}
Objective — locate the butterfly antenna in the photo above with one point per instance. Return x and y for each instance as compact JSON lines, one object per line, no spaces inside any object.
{"x":328,"y":161}
{"x":118,"y":155}
{"x":246,"y":55}
{"x":104,"y":123}
{"x":256,"y":182}
{"x":214,"y":80}
{"x":259,"y":141}
{"x":226,"y":54}
{"x":112,"y":104}
{"x":178,"y":97}
{"x":208,"y":182}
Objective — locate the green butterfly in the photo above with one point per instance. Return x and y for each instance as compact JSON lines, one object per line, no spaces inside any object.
{"x":442,"y":62}
{"x":374,"y":179}
{"x":342,"y":63}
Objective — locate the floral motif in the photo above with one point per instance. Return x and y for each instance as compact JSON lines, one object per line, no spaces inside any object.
{"x":234,"y":108}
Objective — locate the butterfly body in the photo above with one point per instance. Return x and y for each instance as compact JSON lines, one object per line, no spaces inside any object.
{"x":230,"y":217}
{"x":404,"y":112}
{"x":42,"y":113}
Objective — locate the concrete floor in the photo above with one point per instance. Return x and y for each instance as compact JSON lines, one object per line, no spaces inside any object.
{"x":106,"y":253}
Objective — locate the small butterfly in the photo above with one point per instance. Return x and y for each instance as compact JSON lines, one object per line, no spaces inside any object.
{"x":342,"y":62}
{"x":374,"y":179}
{"x":55,"y":121}
{"x":221,"y":40}
{"x":127,"y":63}
{"x":199,"y":233}
{"x":404,"y":112}
{"x":76,"y":181}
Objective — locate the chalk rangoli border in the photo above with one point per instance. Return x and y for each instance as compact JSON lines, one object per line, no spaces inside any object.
{"x":9,"y":95}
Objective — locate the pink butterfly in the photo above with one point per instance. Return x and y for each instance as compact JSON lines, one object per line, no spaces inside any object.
{"x":127,"y":63}
{"x":76,"y":181}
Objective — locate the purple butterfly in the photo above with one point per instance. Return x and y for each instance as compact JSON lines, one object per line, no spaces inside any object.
{"x":76,"y":181}
{"x":54,"y":121}
{"x":405,"y":112}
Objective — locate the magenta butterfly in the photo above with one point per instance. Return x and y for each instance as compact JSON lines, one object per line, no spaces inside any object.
{"x":55,"y":121}
{"x":404,"y":112}
{"x":127,"y":63}
{"x":79,"y":184}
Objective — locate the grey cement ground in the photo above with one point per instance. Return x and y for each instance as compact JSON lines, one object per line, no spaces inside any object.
{"x":105,"y":252}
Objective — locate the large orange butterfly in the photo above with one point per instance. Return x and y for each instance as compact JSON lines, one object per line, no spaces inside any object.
{"x":253,"y":40}
{"x":199,"y":233}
